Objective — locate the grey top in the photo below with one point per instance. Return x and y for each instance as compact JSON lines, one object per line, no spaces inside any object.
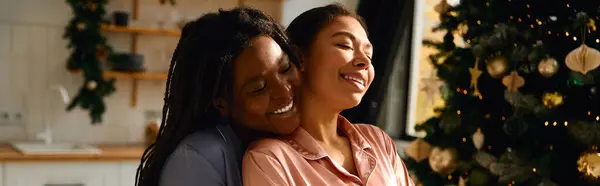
{"x":211,"y":157}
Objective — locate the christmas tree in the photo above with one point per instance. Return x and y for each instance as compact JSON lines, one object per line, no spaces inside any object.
{"x":521,"y":99}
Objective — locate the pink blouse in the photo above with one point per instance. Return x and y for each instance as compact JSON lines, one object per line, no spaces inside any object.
{"x":298,"y":159}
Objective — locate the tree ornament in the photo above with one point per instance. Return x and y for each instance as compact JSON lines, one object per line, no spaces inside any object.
{"x":443,"y":160}
{"x":91,"y":85}
{"x":418,"y":149}
{"x":478,"y":139}
{"x":475,"y":73}
{"x":462,"y":28}
{"x":552,"y":100}
{"x":81,"y":26}
{"x":497,"y":66}
{"x":548,"y":67}
{"x":583,"y":59}
{"x":513,"y":81}
{"x":592,"y":24}
{"x":589,"y":164}
{"x":431,"y":86}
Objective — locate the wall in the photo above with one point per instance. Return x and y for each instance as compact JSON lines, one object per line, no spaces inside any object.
{"x":33,"y":55}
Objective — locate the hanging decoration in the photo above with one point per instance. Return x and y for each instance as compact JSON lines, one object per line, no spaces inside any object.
{"x":88,"y":49}
{"x":583,"y":59}
{"x":552,"y":100}
{"x":548,"y":67}
{"x":431,"y":86}
{"x":589,"y":164}
{"x":475,"y":73}
{"x":418,"y":149}
{"x":513,"y":81}
{"x":478,"y":139}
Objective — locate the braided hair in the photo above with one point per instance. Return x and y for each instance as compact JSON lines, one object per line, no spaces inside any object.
{"x":200,"y":71}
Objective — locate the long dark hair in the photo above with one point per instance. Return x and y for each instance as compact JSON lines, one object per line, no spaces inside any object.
{"x":200,"y":71}
{"x":304,"y":28}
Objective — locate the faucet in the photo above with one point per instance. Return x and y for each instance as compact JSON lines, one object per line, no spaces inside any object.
{"x":46,"y":134}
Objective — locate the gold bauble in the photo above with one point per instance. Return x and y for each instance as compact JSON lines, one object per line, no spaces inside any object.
{"x":497,"y":66}
{"x":548,"y":67}
{"x":462,"y":28}
{"x":91,"y":85}
{"x":552,"y":100}
{"x":589,"y":164}
{"x":443,"y":160}
{"x":81,"y":26}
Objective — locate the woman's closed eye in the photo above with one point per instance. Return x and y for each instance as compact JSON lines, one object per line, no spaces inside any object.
{"x":287,"y":67}
{"x":256,"y":87}
{"x":344,"y":46}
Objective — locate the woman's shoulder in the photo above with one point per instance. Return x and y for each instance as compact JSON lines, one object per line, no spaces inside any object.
{"x":206,"y":140}
{"x":374,"y":135}
{"x":371,"y":131}
{"x":274,"y":147}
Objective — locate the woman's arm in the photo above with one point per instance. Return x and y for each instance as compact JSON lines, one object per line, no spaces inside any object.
{"x":187,"y":167}
{"x":260,"y":169}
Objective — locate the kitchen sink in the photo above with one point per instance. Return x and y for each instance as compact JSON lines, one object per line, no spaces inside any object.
{"x":54,"y":148}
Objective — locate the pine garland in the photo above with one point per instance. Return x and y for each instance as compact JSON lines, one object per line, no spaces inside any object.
{"x":88,"y":48}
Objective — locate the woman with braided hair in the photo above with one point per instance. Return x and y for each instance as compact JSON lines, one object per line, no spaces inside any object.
{"x":231,"y":80}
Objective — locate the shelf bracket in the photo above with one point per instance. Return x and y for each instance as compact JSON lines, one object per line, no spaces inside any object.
{"x":134,"y":92}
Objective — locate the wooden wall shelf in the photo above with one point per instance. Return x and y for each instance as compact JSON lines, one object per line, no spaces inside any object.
{"x":135,"y":77}
{"x":140,"y":30}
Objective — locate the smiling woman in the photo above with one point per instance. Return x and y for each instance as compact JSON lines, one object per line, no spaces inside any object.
{"x":230,"y":81}
{"x":327,"y":149}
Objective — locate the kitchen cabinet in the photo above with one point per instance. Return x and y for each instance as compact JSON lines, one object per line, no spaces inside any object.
{"x":128,"y":170}
{"x":61,"y":174}
{"x":1,"y":174}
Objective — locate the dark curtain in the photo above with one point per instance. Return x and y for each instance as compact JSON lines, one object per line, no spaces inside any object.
{"x":387,"y":22}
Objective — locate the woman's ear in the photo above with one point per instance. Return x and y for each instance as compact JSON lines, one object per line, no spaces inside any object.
{"x":298,"y":53}
{"x":221,"y":106}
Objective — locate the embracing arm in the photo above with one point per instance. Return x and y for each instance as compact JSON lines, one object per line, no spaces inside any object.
{"x":260,"y":169}
{"x":187,"y":167}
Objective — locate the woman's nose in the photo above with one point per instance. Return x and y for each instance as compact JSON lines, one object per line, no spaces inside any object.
{"x":361,"y":61}
{"x":282,"y":90}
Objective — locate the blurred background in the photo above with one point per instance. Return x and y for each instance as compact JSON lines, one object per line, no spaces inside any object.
{"x":475,"y":92}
